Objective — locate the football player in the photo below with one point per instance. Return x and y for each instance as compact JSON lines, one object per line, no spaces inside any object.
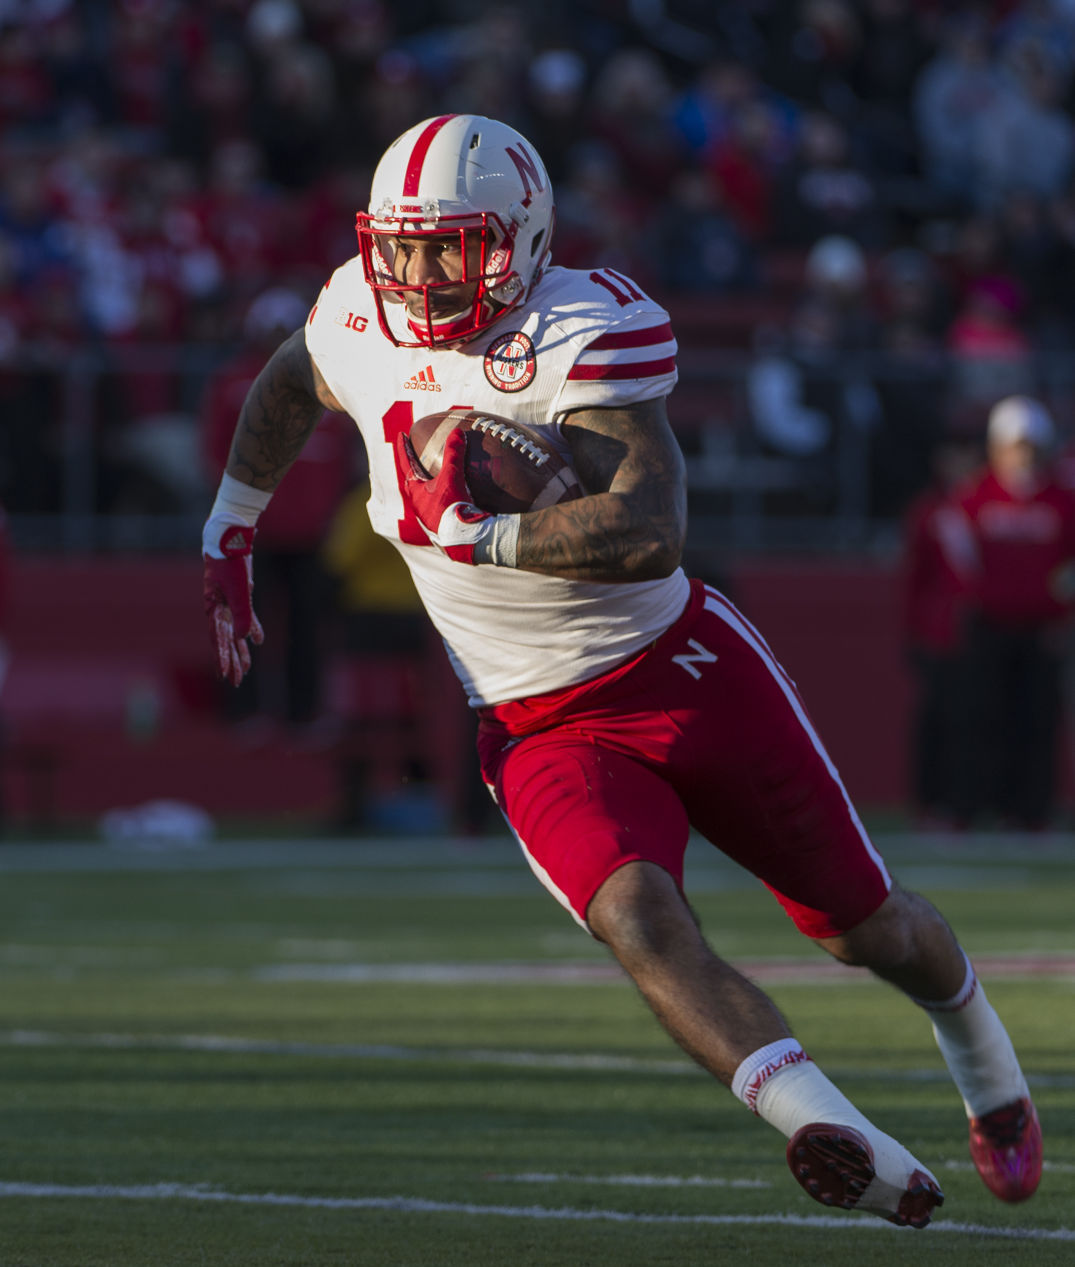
{"x":621,"y":704}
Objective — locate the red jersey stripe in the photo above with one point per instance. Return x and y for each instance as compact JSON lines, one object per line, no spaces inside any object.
{"x":629,"y":369}
{"x":632,"y":338}
{"x":418,"y":155}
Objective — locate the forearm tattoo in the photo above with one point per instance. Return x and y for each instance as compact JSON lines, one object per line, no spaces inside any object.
{"x":633,"y":524}
{"x":280,"y":411}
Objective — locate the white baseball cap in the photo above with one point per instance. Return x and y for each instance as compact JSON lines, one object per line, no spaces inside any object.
{"x":1017,"y":418}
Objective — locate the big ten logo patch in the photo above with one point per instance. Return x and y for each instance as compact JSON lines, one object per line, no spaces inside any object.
{"x":510,"y":363}
{"x":350,"y":320}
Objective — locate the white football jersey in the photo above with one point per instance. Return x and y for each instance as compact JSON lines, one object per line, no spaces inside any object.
{"x":583,"y":340}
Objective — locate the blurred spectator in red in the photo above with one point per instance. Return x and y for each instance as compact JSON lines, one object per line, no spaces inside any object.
{"x":989,"y":343}
{"x":216,"y":106}
{"x":746,"y":162}
{"x":631,"y":113}
{"x":356,"y":32}
{"x":25,"y":94}
{"x":147,"y":440}
{"x":973,"y":253}
{"x":239,"y":215}
{"x":290,"y":532}
{"x":142,"y":60}
{"x":327,"y":237}
{"x":1022,"y":587}
{"x":601,"y":220}
{"x":743,"y":131}
{"x":938,"y":554}
{"x":991,"y":351}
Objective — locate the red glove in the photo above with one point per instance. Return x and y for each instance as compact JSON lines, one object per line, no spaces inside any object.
{"x":442,"y":502}
{"x":227,"y":595}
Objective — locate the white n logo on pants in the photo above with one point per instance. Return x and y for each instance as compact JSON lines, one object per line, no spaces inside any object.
{"x":690,"y":662}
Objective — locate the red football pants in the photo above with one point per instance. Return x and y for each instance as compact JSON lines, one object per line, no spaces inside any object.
{"x":704,"y":729}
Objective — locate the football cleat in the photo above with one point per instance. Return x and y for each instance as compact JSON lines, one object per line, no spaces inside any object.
{"x":835,"y":1165}
{"x":1005,"y":1145}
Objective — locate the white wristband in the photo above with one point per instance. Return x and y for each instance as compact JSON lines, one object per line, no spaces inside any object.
{"x":501,"y":545}
{"x":239,"y":500}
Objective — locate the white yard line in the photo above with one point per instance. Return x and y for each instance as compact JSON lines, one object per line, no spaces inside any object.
{"x":344,"y":1051}
{"x":418,"y":1205}
{"x":632,"y":1181}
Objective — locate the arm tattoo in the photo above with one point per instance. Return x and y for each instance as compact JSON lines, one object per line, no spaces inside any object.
{"x":633,"y":523}
{"x":281,"y":409}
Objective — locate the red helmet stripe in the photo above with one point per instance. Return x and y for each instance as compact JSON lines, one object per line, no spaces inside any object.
{"x":418,"y":155}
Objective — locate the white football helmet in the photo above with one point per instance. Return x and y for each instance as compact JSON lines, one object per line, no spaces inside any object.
{"x":465,"y":174}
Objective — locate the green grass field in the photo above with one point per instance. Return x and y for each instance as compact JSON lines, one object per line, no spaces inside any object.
{"x":404,"y":1054}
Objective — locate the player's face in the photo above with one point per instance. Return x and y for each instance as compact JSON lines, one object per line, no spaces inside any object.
{"x":437,"y":261}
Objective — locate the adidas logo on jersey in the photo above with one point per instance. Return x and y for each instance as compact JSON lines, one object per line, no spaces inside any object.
{"x":423,"y":382}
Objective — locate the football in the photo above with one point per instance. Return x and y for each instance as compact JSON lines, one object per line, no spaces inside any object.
{"x":509,"y":467}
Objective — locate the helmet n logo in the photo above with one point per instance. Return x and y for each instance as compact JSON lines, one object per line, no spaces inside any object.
{"x":528,"y":171}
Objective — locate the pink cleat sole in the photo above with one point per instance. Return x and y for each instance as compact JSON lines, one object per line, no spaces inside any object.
{"x":835,"y":1165}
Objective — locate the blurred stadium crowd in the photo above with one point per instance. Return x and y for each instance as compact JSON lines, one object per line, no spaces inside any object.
{"x":861,"y":214}
{"x":164,"y":164}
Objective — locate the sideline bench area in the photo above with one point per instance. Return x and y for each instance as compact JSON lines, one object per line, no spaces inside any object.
{"x":110,"y":701}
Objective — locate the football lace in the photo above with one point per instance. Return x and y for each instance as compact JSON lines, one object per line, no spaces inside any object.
{"x":508,"y":435}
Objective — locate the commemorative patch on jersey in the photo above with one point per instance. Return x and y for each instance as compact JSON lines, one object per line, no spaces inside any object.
{"x":510,"y":363}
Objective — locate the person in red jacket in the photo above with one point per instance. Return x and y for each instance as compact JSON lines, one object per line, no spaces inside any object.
{"x":1023,"y":527}
{"x":938,"y":553}
{"x":287,"y":569}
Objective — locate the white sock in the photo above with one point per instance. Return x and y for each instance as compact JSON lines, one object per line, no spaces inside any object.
{"x":783,"y":1085}
{"x":976,"y":1048}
